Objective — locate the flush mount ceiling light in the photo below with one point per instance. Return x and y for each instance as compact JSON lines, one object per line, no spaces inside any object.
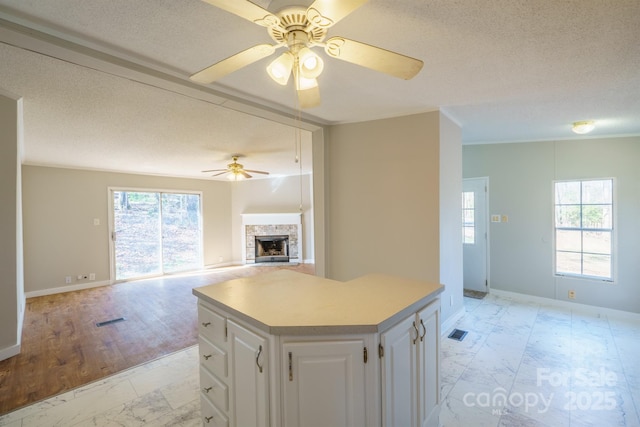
{"x":298,"y":29}
{"x":583,"y":127}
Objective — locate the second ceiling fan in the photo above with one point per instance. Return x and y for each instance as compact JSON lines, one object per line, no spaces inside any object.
{"x":236,"y":170}
{"x":299,"y":29}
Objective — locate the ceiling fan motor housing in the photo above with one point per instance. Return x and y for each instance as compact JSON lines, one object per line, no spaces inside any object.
{"x":296,"y":29}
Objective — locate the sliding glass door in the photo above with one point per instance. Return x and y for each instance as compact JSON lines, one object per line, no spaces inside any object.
{"x":155,"y":233}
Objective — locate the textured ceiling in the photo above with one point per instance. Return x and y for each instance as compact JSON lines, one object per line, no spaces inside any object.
{"x":504,"y":70}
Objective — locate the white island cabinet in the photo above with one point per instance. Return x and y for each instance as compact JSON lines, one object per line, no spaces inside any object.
{"x":294,"y":350}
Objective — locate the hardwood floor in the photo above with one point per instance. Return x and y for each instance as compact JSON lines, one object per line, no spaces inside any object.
{"x":62,"y":348}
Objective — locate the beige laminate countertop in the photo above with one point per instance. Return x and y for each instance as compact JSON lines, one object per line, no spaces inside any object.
{"x":286,"y":302}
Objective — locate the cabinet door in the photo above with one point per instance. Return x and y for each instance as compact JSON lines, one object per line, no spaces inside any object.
{"x":249,"y":379}
{"x":428,"y":365}
{"x":399,"y":375}
{"x":324,"y":383}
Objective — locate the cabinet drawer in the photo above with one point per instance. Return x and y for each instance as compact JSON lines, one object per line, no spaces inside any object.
{"x":211,"y":325}
{"x":212,"y":416}
{"x":213,"y":358}
{"x":214,"y":389}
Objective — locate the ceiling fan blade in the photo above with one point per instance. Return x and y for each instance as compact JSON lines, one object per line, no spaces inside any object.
{"x":246,"y":175}
{"x":247,"y":10}
{"x":252,"y":171}
{"x":221,"y":173}
{"x":309,"y":98}
{"x":375,"y":58}
{"x":325,"y":13}
{"x":233,"y":63}
{"x":214,"y":170}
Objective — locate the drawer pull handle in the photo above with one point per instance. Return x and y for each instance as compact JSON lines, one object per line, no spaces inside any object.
{"x":207,"y":356}
{"x":417,"y":333}
{"x":208,"y":389}
{"x":205,"y":324}
{"x":258,"y":358}
{"x":424,"y":331}
{"x":208,"y":419}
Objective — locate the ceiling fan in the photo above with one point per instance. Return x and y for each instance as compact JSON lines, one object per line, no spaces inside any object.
{"x":299,"y":29}
{"x":236,"y":170}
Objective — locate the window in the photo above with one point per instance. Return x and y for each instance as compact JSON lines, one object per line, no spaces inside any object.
{"x":468,"y":218}
{"x":584,"y":228}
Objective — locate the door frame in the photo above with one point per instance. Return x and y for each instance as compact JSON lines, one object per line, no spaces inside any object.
{"x":487,"y":219}
{"x":111,"y":228}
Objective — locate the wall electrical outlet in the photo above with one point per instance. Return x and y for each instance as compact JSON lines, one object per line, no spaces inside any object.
{"x":92,"y":276}
{"x":572,"y":294}
{"x":495,"y":218}
{"x":67,"y":280}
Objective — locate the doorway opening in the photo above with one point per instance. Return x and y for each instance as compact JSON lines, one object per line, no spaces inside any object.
{"x":155,"y":233}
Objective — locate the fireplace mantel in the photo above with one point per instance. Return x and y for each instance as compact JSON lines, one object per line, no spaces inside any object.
{"x":271,"y":223}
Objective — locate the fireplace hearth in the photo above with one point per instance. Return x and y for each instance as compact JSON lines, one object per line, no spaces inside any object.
{"x":272,"y":248}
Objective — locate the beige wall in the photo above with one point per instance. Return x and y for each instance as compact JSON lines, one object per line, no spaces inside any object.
{"x":383,"y":198}
{"x":451,"y":218}
{"x":11,"y":281}
{"x":275,"y":195}
{"x":61,"y":204}
{"x":521,"y":179}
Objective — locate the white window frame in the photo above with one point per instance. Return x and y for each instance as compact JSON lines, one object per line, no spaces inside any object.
{"x":613,"y":232}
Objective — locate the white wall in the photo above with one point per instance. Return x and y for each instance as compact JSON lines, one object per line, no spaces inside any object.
{"x":11,"y":282}
{"x":59,"y":208}
{"x":274,"y":195}
{"x":521,"y":179}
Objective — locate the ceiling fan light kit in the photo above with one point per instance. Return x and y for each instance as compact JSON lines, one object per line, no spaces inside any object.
{"x":280,"y":69}
{"x":299,"y":29}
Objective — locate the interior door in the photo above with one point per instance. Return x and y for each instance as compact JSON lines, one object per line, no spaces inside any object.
{"x":474,"y":233}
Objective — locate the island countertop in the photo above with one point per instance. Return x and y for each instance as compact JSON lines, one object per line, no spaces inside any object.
{"x":285,"y":302}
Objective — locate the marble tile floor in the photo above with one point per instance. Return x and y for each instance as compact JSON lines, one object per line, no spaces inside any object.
{"x":538,"y":364}
{"x":163,"y":392}
{"x":521,"y":364}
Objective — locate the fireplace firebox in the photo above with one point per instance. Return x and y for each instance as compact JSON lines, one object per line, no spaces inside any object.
{"x":272,"y":248}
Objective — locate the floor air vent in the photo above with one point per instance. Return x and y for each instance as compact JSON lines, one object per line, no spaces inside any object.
{"x":108,"y":322}
{"x":458,"y":334}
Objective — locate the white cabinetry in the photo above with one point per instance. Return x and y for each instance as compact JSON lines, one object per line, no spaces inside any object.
{"x":288,"y":349}
{"x":410,"y":374}
{"x":214,"y":391}
{"x":234,"y":374}
{"x":249,"y":377}
{"x":324,"y":383}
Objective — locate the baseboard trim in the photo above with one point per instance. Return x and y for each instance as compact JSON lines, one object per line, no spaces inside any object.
{"x":451,"y":321}
{"x":69,"y":288}
{"x":593,"y":309}
{"x":11,"y":351}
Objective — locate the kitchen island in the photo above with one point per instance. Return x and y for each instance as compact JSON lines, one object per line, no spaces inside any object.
{"x":292,"y":349}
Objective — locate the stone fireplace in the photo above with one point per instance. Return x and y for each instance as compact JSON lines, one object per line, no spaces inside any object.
{"x":278,"y":236}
